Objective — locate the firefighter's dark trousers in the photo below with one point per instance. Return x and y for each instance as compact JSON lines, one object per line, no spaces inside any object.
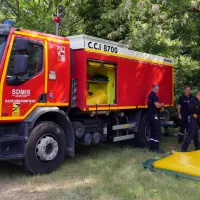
{"x":183,"y":126}
{"x":192,"y":134}
{"x":154,"y":139}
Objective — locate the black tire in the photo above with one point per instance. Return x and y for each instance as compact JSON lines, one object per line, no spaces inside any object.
{"x":141,"y":138}
{"x":78,"y":129}
{"x":32,"y":163}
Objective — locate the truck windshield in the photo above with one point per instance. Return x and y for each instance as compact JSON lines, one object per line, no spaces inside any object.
{"x":2,"y":45}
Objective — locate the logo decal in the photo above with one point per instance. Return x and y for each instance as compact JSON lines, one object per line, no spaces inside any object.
{"x":61,"y":53}
{"x":16,"y":109}
{"x":21,"y":93}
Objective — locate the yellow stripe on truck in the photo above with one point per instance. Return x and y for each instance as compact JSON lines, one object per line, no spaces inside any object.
{"x":112,"y":108}
{"x":41,"y":37}
{"x":32,"y":108}
{"x":129,"y":57}
{"x":46,"y":66}
{"x":5,"y":70}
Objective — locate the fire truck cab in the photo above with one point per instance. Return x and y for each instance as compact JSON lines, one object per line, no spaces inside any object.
{"x":57,"y":91}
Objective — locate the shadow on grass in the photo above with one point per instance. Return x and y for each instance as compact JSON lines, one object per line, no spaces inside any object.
{"x":104,"y":171}
{"x":7,"y":168}
{"x":94,"y":152}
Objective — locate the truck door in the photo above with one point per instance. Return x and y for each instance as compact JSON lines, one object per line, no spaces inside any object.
{"x":20,"y":95}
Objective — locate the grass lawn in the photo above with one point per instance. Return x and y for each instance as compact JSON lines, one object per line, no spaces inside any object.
{"x":102,"y":172}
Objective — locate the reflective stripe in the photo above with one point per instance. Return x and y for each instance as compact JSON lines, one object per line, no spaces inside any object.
{"x":153,"y":140}
{"x":181,"y":133}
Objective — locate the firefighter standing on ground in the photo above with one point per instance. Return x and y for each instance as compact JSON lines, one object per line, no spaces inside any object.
{"x":192,"y":124}
{"x":154,"y":109}
{"x":183,"y":103}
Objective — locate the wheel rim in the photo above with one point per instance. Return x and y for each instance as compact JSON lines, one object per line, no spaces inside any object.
{"x":147,"y":131}
{"x":46,"y":148}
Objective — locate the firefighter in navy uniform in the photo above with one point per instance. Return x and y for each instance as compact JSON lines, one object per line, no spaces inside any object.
{"x":183,"y":103}
{"x":154,"y":109}
{"x":192,"y":124}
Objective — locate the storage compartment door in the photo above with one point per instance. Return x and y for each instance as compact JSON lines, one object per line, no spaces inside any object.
{"x":101,"y":83}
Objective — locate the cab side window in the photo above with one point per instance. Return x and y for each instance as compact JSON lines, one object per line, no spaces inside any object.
{"x":35,"y":60}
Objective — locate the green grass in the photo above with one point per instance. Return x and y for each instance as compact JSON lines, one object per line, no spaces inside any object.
{"x":102,"y":172}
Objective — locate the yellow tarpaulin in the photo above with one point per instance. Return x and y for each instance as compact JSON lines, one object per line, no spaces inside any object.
{"x":181,"y":162}
{"x":99,"y":97}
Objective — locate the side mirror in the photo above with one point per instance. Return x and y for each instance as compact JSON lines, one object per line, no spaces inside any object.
{"x":21,"y":44}
{"x":20,"y":64}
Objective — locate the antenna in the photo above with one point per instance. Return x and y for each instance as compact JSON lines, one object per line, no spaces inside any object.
{"x":57,"y":19}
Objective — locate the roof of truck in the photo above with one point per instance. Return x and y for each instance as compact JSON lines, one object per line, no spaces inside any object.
{"x":46,"y":36}
{"x":98,"y":45}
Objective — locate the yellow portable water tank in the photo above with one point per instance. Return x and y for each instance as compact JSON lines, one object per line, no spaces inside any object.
{"x":182,"y":162}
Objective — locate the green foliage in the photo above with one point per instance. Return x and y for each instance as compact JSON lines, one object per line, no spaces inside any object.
{"x":162,"y":27}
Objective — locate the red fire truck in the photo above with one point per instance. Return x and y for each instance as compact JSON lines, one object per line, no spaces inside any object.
{"x":56,"y":92}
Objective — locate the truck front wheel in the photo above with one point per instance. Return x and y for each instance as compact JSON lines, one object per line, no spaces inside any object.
{"x":45,"y":149}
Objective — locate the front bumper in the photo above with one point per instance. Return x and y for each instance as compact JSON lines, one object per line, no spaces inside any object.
{"x":13,"y":140}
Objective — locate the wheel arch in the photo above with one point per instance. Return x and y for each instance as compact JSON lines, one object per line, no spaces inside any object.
{"x":136,"y":116}
{"x":54,"y":114}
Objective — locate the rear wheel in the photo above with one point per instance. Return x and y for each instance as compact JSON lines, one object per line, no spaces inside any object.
{"x":144,"y":132}
{"x":46,"y":148}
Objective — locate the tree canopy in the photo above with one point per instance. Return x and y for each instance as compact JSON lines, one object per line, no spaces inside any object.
{"x":170,"y":28}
